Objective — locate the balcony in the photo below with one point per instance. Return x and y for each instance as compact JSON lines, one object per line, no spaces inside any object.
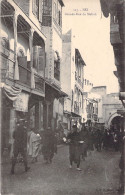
{"x":24,"y":76}
{"x":7,"y":71}
{"x":78,"y":80}
{"x":7,"y":64}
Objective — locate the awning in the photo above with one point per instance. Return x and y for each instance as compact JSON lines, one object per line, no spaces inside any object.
{"x":21,"y":103}
{"x":58,"y":90}
{"x":75,"y":115}
{"x":64,"y":125}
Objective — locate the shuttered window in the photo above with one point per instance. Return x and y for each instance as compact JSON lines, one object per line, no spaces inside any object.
{"x":36,"y":8}
{"x":40,"y":10}
{"x":39,"y":59}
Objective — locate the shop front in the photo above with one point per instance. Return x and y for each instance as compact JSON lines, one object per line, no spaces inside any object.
{"x":18,"y":104}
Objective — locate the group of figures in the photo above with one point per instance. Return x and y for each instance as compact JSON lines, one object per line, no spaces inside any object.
{"x":32,"y":143}
{"x":80,"y":143}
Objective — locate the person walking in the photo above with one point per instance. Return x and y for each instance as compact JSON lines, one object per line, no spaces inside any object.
{"x":83,"y":135}
{"x":90,"y":140}
{"x":49,"y":146}
{"x":74,"y":147}
{"x":98,"y":140}
{"x":20,"y":145}
{"x":34,"y":145}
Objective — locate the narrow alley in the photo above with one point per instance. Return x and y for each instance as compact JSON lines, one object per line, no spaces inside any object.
{"x":99,"y":175}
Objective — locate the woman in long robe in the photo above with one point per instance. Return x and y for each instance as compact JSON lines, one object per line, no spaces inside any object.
{"x":34,"y":145}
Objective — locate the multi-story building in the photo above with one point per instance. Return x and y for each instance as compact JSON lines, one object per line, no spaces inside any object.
{"x":30,"y":64}
{"x":91,"y":107}
{"x":52,"y":28}
{"x":108,"y":106}
{"x":22,"y":67}
{"x":72,"y":79}
{"x":116,"y":9}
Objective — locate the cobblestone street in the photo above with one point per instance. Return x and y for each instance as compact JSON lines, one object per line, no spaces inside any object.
{"x":99,"y":175}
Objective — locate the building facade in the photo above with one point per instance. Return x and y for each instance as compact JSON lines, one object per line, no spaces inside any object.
{"x":22,"y":70}
{"x":52,"y":28}
{"x":72,"y":79}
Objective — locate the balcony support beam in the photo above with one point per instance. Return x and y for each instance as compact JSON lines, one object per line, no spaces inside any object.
{"x":31,"y":57}
{"x":16,"y":71}
{"x":4,"y":16}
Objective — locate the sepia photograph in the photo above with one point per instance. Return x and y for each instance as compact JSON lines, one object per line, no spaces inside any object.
{"x":62,"y":97}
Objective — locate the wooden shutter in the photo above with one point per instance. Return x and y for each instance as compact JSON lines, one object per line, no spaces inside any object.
{"x":40,"y":10}
{"x":22,"y":61}
{"x":41,"y":60}
{"x":35,"y":57}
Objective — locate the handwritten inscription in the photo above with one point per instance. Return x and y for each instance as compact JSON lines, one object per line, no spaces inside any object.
{"x":80,"y":12}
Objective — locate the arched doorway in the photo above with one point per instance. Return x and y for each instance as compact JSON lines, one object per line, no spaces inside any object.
{"x":114,"y":121}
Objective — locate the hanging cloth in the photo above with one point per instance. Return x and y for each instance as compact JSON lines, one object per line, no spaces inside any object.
{"x":11,"y":92}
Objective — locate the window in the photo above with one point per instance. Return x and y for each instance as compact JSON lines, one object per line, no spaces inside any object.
{"x":36,"y":8}
{"x":57,"y":13}
{"x":39,"y":59}
{"x":47,"y":7}
{"x":56,"y":66}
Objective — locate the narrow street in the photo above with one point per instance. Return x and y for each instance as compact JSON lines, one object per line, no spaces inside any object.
{"x":99,"y":175}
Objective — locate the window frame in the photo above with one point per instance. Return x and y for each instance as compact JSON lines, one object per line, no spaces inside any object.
{"x":35,"y":4}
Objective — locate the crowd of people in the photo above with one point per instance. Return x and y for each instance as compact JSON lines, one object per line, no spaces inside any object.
{"x":82,"y":141}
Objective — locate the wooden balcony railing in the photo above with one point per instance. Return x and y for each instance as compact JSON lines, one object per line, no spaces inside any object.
{"x":7,"y":64}
{"x":7,"y":72}
{"x":39,"y":83}
{"x":24,"y":75}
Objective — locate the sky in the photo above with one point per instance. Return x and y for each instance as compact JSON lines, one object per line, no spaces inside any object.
{"x":91,"y":33}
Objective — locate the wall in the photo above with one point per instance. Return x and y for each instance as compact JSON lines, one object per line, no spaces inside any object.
{"x":101,"y":90}
{"x":23,"y":5}
{"x":111,"y":104}
{"x":58,"y":110}
{"x":72,"y":63}
{"x":66,"y":69}
{"x":27,"y":7}
{"x":49,"y":70}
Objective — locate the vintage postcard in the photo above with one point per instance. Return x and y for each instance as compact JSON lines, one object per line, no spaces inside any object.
{"x":62,"y":91}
